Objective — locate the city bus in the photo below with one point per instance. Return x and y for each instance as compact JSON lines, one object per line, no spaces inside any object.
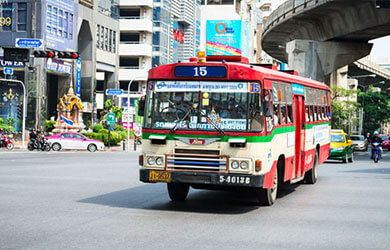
{"x":225,"y":124}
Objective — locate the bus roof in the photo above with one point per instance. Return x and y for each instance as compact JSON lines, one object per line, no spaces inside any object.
{"x":236,"y":72}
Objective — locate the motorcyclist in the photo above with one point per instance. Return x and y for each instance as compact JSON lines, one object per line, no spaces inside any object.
{"x":376,"y":138}
{"x":34,"y":138}
{"x":2,"y":138}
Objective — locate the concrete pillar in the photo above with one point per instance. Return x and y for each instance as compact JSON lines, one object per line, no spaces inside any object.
{"x":316,"y":60}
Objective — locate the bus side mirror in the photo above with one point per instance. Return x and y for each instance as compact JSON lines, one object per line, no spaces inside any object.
{"x":141,"y":107}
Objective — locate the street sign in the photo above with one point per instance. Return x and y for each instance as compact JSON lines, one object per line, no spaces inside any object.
{"x":114,"y":91}
{"x":111,"y":119}
{"x":29,"y":43}
{"x":8,"y":71}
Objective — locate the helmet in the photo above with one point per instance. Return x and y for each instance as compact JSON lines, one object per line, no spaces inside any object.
{"x":375,"y":133}
{"x":31,"y":129}
{"x":38,"y":131}
{"x":1,"y":130}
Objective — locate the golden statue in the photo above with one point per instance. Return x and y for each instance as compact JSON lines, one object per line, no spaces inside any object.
{"x":71,"y":107}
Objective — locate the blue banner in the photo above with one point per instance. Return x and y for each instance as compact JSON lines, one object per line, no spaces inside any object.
{"x":78,"y":77}
{"x":298,"y":89}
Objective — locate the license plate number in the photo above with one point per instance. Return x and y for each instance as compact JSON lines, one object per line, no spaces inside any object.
{"x":234,"y":179}
{"x":159,"y":176}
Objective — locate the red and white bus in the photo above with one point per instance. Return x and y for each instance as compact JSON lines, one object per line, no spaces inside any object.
{"x":226,"y":124}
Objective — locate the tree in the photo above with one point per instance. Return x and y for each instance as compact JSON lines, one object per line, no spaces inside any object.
{"x":376,"y":107}
{"x":344,"y":108}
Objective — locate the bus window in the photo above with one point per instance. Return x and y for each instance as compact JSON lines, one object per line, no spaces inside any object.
{"x":283,"y":109}
{"x":290,"y":112}
{"x":255,"y":113}
{"x":267,"y":104}
{"x":148,"y":113}
{"x":276,"y":106}
{"x":319,"y":104}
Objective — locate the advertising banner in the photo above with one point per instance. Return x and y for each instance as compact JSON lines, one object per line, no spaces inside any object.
{"x":58,"y":66}
{"x":227,"y":38}
{"x":60,"y":24}
{"x":214,"y":87}
{"x":11,"y":97}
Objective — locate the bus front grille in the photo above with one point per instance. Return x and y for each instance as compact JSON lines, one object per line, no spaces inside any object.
{"x":199,"y":160}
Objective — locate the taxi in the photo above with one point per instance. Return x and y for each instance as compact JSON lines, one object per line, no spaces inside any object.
{"x":341,"y":147}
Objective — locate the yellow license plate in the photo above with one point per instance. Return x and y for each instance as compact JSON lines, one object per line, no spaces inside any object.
{"x":159,"y":176}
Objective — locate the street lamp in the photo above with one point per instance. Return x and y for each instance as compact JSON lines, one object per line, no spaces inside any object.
{"x":128,"y":110}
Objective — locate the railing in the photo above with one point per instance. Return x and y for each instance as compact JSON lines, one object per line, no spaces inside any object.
{"x":288,"y":9}
{"x":131,"y":42}
{"x":131,"y":17}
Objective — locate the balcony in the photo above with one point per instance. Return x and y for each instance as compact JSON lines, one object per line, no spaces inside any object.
{"x":127,"y":73}
{"x":135,"y":24}
{"x":136,"y":3}
{"x":135,"y":49}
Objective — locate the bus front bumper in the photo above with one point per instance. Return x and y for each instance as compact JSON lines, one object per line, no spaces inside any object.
{"x":213,"y":179}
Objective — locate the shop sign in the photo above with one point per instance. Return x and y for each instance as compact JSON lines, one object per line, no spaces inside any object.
{"x":10,"y":64}
{"x":58,"y":66}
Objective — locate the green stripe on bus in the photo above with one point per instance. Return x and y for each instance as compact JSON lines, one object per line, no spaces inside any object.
{"x":225,"y":138}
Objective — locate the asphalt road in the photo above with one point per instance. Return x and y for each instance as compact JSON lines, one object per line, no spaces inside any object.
{"x":94,"y":201}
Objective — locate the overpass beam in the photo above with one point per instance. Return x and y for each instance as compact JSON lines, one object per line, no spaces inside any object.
{"x":317,"y":60}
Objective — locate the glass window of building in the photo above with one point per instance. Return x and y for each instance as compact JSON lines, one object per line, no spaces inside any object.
{"x":101,"y":37}
{"x":98,"y":36}
{"x":6,"y":14}
{"x":22,"y":16}
{"x":114,"y":42}
{"x":66,"y":14}
{"x":70,"y":26}
{"x":106,"y":39}
{"x":110,"y":41}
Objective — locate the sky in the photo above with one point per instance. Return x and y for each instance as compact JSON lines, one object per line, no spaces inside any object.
{"x":380,"y":52}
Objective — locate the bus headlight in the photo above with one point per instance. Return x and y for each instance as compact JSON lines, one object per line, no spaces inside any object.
{"x":151,"y":161}
{"x":235,"y":164}
{"x":244,"y":165}
{"x":159,"y":161}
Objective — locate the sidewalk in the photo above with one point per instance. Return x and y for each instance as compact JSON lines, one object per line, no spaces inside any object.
{"x":118,"y":148}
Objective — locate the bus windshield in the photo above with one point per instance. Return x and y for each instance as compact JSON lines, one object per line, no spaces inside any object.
{"x":225,"y":106}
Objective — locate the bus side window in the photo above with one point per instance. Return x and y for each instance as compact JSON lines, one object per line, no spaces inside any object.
{"x":283,"y":109}
{"x":268,"y":112}
{"x":314,"y":104}
{"x":310,"y":104}
{"x":256,"y":115}
{"x":319,"y":104}
{"x":290,"y":112}
{"x":276,"y":107}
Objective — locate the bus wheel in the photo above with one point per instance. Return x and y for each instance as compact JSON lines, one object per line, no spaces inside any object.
{"x":267,"y":196}
{"x":312,"y":175}
{"x":178,"y":191}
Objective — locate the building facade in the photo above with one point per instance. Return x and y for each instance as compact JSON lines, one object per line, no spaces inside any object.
{"x":85,"y":26}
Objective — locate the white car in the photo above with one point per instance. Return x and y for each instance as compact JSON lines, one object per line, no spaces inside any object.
{"x":72,"y":140}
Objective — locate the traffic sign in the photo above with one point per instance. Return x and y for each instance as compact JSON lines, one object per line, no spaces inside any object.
{"x":114,"y":91}
{"x":8,"y":71}
{"x":29,"y":43}
{"x":110,"y":119}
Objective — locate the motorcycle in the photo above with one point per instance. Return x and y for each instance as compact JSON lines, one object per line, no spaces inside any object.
{"x":44,"y":145}
{"x":7,"y":143}
{"x":376,"y":152}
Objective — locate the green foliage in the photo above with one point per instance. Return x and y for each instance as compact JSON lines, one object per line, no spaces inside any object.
{"x":115,"y":137}
{"x":97,"y":127}
{"x":117,"y":111}
{"x":108,"y":104}
{"x":10,"y":121}
{"x":8,"y":126}
{"x":103,"y":131}
{"x":89,"y":124}
{"x":376,"y":107}
{"x":344,"y":108}
{"x":49,"y":125}
{"x":119,"y":128}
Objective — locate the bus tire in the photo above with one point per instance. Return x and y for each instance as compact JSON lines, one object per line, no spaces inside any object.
{"x":312,"y":175}
{"x":267,"y":196}
{"x":178,"y":191}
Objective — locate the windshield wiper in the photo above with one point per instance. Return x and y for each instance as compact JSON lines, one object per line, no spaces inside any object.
{"x":173,"y":130}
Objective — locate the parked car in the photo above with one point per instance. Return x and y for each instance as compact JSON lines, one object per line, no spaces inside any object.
{"x":359,"y":143}
{"x":386,"y":143}
{"x":340,"y":146}
{"x":72,"y":140}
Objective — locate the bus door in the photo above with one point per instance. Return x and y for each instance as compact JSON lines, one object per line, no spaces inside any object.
{"x":299,"y":106}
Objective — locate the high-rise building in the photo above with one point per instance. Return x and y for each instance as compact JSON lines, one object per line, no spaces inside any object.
{"x":155,"y":33}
